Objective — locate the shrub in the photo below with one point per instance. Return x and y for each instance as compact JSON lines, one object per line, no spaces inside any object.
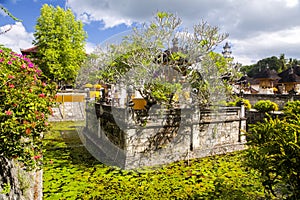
{"x":265,"y":106}
{"x":292,"y":108}
{"x":275,"y":152}
{"x":25,"y":103}
{"x":238,"y":100}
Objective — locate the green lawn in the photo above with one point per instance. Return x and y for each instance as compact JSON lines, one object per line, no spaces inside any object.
{"x":70,"y":172}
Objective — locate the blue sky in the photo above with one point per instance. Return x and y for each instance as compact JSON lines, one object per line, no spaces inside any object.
{"x":29,"y":10}
{"x":257,"y":29}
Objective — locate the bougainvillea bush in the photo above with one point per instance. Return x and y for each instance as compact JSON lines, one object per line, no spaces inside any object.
{"x":26,"y":98}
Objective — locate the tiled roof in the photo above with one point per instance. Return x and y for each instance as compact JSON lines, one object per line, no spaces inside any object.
{"x":294,"y":69}
{"x":290,"y":77}
{"x":267,"y":74}
{"x":29,"y":50}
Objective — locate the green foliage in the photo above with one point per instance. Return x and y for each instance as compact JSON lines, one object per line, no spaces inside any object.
{"x":265,"y":106}
{"x":292,"y":109}
{"x":163,"y":92}
{"x":278,"y":64}
{"x":26,"y":101}
{"x":6,"y":188}
{"x":208,"y":80}
{"x":274,"y":150}
{"x":60,"y":40}
{"x":246,"y":102}
{"x":271,"y":62}
{"x":70,"y":172}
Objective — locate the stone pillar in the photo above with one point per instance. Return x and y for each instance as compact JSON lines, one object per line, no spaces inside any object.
{"x":242,"y":137}
{"x":195,"y":138}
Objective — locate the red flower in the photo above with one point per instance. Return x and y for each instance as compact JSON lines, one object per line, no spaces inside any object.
{"x":8,"y":112}
{"x":37,"y":157}
{"x":42,"y":95}
{"x":11,"y":76}
{"x":11,"y":85}
{"x":28,"y":131}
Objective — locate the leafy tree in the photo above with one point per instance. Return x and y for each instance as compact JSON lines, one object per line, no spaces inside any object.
{"x":87,"y":73}
{"x":278,"y":64}
{"x":161,"y":47}
{"x":25,"y":103}
{"x":60,"y":40}
{"x":274,"y":150}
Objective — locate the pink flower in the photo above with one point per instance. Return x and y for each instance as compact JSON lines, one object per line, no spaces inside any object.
{"x":42,"y":95}
{"x":11,"y":85}
{"x":9,"y":62}
{"x":11,"y":76}
{"x":26,"y":59}
{"x":8,"y":112}
{"x":23,"y":66}
{"x":30,"y":65}
{"x":1,"y":60}
{"x":44,"y":84}
{"x":1,"y":51}
{"x":46,"y":123}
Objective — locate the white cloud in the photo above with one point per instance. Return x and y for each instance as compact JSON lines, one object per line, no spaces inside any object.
{"x":256,"y":28}
{"x":89,"y":47}
{"x":291,"y":3}
{"x":17,"y":38}
{"x":268,"y":44}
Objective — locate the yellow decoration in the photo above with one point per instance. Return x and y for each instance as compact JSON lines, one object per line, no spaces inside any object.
{"x":88,"y":85}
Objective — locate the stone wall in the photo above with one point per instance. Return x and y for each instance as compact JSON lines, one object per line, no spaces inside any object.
{"x":70,"y":107}
{"x":178,"y":135}
{"x":18,"y":184}
{"x":280,"y":99}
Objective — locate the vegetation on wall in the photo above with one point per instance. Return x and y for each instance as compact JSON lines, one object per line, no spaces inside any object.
{"x":26,"y":99}
{"x":60,"y":40}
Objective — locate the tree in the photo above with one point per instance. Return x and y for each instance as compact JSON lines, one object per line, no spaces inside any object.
{"x":161,"y":60}
{"x":87,"y":73}
{"x":274,"y":150}
{"x":60,"y":40}
{"x":278,"y":64}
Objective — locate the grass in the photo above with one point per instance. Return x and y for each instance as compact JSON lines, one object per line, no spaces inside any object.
{"x":70,"y":172}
